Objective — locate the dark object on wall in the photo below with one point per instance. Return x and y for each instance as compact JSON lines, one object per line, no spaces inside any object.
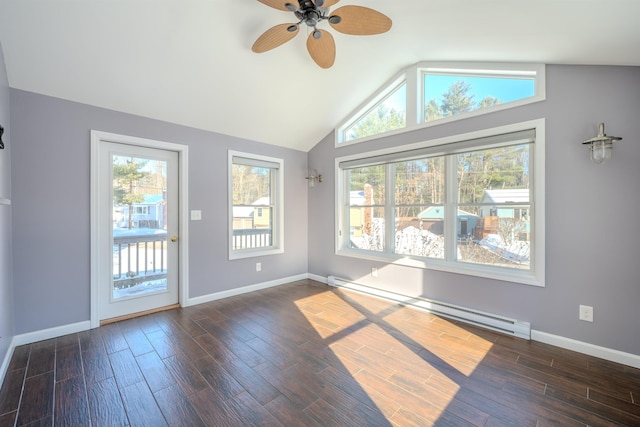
{"x":1,"y":143}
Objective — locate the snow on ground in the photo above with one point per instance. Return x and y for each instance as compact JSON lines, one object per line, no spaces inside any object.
{"x":413,"y":241}
{"x":423,"y":243}
{"x":144,"y":288}
{"x":516,"y":251}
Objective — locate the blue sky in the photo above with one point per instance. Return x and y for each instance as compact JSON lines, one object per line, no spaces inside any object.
{"x":505,"y":90}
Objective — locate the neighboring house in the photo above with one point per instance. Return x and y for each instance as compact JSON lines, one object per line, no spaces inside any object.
{"x":496,"y":219}
{"x":256,"y":216}
{"x":432,"y":219}
{"x":262,"y":215}
{"x":147,"y":214}
{"x":242,"y":217}
{"x":518,"y":196}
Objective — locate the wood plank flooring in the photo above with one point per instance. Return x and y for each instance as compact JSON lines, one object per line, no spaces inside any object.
{"x":304,"y":354}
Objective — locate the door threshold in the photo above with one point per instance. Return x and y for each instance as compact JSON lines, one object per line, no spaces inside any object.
{"x":139,"y":314}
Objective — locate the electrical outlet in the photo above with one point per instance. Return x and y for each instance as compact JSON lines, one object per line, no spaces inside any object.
{"x":374,"y":272}
{"x":586,"y":313}
{"x":196,"y":215}
{"x":258,"y":266}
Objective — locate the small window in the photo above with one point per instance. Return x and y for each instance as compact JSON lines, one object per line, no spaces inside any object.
{"x":141,"y":210}
{"x":449,"y":93}
{"x":385,"y":112}
{"x":255,"y":203}
{"x":389,"y":114}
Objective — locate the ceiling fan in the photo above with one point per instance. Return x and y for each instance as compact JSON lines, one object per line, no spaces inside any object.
{"x":354,"y":20}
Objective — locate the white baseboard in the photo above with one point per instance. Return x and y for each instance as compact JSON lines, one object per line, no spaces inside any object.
{"x":47,"y":334}
{"x":7,"y":360}
{"x":36,"y":336}
{"x":318,"y":278}
{"x":244,"y":290}
{"x":586,"y":348}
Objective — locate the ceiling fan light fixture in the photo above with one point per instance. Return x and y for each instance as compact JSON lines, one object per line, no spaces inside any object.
{"x":335,"y":19}
{"x":292,"y":28}
{"x":317,"y":34}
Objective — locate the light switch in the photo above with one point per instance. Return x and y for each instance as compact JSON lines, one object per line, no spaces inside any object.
{"x":196,"y":215}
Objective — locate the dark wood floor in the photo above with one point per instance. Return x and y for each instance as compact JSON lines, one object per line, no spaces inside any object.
{"x":305,"y":354}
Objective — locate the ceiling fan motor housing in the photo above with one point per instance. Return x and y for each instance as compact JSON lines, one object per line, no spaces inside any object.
{"x":306,"y":4}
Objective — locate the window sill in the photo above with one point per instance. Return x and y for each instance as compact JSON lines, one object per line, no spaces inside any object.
{"x":524,"y":277}
{"x":251,"y":253}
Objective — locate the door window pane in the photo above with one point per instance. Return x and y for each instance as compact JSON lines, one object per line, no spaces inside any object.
{"x":139,"y":229}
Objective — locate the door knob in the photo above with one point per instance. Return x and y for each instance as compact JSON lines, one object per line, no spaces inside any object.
{"x":174,"y":238}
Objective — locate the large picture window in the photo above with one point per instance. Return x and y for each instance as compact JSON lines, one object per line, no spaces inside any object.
{"x":471,"y":204}
{"x":255,"y":203}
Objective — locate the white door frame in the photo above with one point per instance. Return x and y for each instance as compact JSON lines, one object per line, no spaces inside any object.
{"x":98,"y":137}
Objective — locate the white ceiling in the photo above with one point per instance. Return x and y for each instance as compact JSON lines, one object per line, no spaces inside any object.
{"x":190,"y":61}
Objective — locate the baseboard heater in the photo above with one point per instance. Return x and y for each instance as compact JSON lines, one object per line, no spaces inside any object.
{"x":493,"y":322}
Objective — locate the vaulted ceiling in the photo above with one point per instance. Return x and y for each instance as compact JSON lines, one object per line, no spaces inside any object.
{"x":190,"y":61}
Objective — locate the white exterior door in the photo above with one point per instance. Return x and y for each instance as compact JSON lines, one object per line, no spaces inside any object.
{"x":137,"y":230}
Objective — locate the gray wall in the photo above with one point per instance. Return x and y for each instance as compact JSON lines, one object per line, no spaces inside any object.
{"x":592,"y":244}
{"x":51,"y":228}
{"x":6,"y":296}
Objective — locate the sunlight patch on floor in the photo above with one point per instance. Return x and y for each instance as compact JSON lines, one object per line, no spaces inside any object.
{"x":401,"y":357}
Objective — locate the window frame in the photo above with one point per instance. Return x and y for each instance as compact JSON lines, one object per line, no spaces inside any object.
{"x":370,"y":105}
{"x":276,"y":201}
{"x":413,"y":76}
{"x":533,"y":276}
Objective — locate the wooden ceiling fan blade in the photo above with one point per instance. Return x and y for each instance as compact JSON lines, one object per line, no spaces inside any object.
{"x":322,"y":49}
{"x":360,"y":21}
{"x":278,"y":4}
{"x":274,"y":37}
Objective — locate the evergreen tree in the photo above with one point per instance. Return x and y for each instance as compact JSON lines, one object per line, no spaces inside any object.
{"x":433,"y":111}
{"x":127,"y":175}
{"x":457,"y":99}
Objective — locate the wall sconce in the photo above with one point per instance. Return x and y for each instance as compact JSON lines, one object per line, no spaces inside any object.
{"x":313,"y":177}
{"x":601,"y":146}
{"x":1,"y":143}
